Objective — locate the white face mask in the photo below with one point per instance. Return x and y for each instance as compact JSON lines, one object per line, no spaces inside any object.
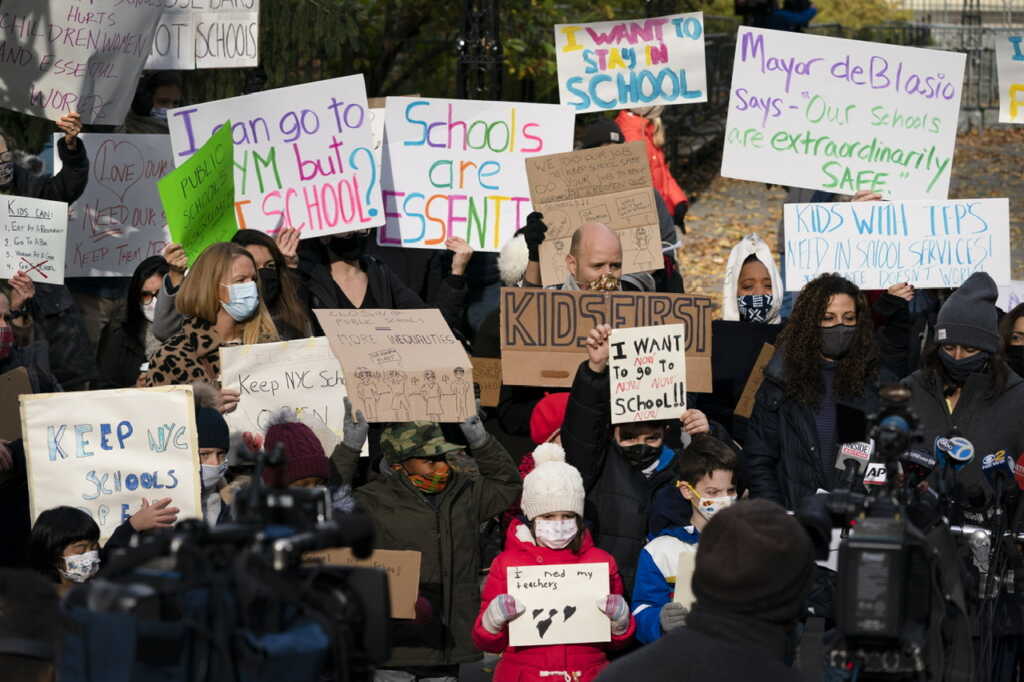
{"x":149,"y":309}
{"x":81,"y":567}
{"x":555,"y":534}
{"x":159,"y":113}
{"x":211,"y":473}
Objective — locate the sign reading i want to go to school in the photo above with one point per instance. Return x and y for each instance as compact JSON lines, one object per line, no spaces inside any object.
{"x":622,"y":64}
{"x":842,"y":115}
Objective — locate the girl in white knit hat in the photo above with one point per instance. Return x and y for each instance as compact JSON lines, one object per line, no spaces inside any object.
{"x":553,"y":534}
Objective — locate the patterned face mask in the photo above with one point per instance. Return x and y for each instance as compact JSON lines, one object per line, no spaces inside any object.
{"x":431,"y":484}
{"x":606,"y":282}
{"x":754,"y":307}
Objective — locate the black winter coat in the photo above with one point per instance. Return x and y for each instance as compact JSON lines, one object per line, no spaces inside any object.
{"x":120,"y":357}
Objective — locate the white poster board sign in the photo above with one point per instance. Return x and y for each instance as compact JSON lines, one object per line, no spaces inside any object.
{"x":61,"y":56}
{"x":104,"y":451}
{"x":119,"y":219}
{"x":455,"y":168}
{"x":648,"y":373}
{"x":303,"y":155}
{"x":1011,"y":295}
{"x":842,"y":115}
{"x":207,"y":34}
{"x":684,"y":577}
{"x":609,"y":65}
{"x":33,"y":234}
{"x":877,"y":244}
{"x":1010,"y":66}
{"x":561,"y":604}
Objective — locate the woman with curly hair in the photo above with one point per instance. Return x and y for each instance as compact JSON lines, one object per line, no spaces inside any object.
{"x":826,"y":362}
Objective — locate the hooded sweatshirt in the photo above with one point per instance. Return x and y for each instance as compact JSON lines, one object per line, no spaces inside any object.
{"x":751,"y":245}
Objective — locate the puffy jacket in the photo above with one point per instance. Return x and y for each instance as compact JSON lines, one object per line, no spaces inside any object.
{"x":656,"y":578}
{"x":636,"y":127}
{"x":579,"y":662}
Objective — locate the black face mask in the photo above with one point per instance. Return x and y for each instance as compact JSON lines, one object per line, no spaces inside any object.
{"x":1015,"y":356}
{"x":640,"y":456}
{"x":348,"y":247}
{"x":835,"y":341}
{"x":959,"y":370}
{"x":270,"y":284}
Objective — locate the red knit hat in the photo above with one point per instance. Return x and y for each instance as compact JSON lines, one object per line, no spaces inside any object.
{"x":547,"y":416}
{"x":303,"y":454}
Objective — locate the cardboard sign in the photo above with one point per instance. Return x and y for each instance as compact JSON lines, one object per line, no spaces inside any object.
{"x":455,"y":168}
{"x":745,"y":406}
{"x":401,"y":365}
{"x":34,"y":237}
{"x":648,"y":373}
{"x":61,"y":56}
{"x":842,"y":115}
{"x":487,"y":376}
{"x":543,"y":331}
{"x":684,"y":577}
{"x":199,"y":196}
{"x":610,"y":185}
{"x":622,"y":64}
{"x":303,"y":155}
{"x":119,"y":220}
{"x":1010,"y":65}
{"x":1011,"y":295}
{"x":12,"y":385}
{"x":561,"y":604}
{"x":877,"y":244}
{"x":402,"y":567}
{"x":207,"y":34}
{"x":104,"y":451}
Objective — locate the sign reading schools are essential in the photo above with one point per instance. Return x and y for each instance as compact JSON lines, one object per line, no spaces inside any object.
{"x":61,"y":56}
{"x":33,"y":238}
{"x":622,"y":64}
{"x":1010,"y":65}
{"x":561,"y":604}
{"x":544,"y":331}
{"x":104,"y":451}
{"x":303,"y":155}
{"x":842,"y":115}
{"x":207,"y":34}
{"x":648,"y":373}
{"x":455,"y":168}
{"x":877,"y":244}
{"x":119,"y":219}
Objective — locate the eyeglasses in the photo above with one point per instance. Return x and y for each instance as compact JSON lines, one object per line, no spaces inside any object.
{"x":147,"y":297}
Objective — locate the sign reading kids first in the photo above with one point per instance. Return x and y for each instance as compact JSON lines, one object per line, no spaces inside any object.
{"x":622,"y":64}
{"x":456,"y":168}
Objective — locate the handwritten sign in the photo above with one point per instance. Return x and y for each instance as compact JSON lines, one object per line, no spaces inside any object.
{"x":1011,"y":295}
{"x":455,"y":168}
{"x":199,"y":196}
{"x":70,"y":56}
{"x":561,"y":604}
{"x":487,"y":376}
{"x":119,"y":219}
{"x":401,"y":365}
{"x":622,"y":64}
{"x":543,"y":331}
{"x":1010,"y":66}
{"x":402,"y":567}
{"x":842,"y":115}
{"x":207,"y":34}
{"x":648,"y":373}
{"x":103,"y":451}
{"x":609,"y":185}
{"x":33,"y":237}
{"x":684,"y":577}
{"x":877,"y":244}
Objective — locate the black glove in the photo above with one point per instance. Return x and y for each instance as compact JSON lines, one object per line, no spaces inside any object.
{"x":680,"y":217}
{"x":533,"y":233}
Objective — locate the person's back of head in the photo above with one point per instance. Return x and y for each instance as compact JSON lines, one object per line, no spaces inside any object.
{"x":30,"y":626}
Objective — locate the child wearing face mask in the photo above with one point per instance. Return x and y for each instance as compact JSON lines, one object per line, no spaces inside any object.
{"x":65,"y":546}
{"x":706,"y":473}
{"x":553,"y":533}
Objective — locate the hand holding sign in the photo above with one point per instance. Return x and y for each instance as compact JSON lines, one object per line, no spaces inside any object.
{"x":561,"y":603}
{"x":597,"y":348}
{"x":71,"y":124}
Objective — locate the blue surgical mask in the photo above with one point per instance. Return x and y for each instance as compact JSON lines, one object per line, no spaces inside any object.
{"x":244,"y":298}
{"x":158,"y":113}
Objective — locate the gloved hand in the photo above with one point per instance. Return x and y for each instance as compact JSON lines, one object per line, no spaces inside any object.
{"x":499,"y":612}
{"x":533,"y":232}
{"x":354,"y":430}
{"x":617,"y":610}
{"x":474,"y":431}
{"x":672,"y":616}
{"x":680,"y":217}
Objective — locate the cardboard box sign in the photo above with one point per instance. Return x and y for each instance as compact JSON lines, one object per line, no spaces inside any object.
{"x":543,"y":331}
{"x":487,"y":375}
{"x":402,"y":567}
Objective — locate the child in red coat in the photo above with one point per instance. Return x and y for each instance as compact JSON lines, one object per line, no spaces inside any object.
{"x":553,"y":502}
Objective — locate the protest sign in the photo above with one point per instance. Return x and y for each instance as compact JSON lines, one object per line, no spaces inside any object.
{"x":648,"y":373}
{"x":61,"y":56}
{"x":487,"y":376}
{"x":1011,"y":295}
{"x":34,"y":233}
{"x":684,"y":576}
{"x":1010,"y":66}
{"x":561,"y":604}
{"x":455,"y":168}
{"x":745,"y":405}
{"x":199,"y":196}
{"x":119,"y":219}
{"x":12,"y":385}
{"x":842,"y":115}
{"x":401,"y":365}
{"x":877,"y":244}
{"x":543,"y":331}
{"x":207,"y":34}
{"x":622,"y":64}
{"x":610,"y":185}
{"x":104,"y":451}
{"x":402,"y":567}
{"x":303,"y":155}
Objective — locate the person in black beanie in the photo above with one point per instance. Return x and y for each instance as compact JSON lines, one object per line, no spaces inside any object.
{"x":754,"y":569}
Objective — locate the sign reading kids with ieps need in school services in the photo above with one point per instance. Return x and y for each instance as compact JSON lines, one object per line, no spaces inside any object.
{"x":622,"y":64}
{"x":1010,"y":66}
{"x":842,"y":115}
{"x":456,"y":168}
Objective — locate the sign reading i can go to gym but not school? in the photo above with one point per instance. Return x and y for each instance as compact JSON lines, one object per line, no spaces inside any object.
{"x":842,"y":115}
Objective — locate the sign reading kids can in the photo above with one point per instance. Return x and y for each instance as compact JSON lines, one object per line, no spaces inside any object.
{"x":621,"y":64}
{"x":455,"y":168}
{"x":303,"y":155}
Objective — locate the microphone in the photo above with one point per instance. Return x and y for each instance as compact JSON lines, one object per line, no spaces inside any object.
{"x":852,"y":459}
{"x":918,"y":465}
{"x":954,"y":451}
